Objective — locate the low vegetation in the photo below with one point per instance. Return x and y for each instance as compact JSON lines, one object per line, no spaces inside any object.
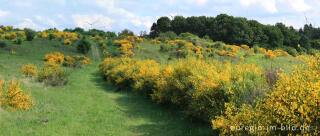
{"x":220,"y":83}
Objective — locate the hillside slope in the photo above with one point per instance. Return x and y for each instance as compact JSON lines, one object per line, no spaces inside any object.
{"x":86,"y":105}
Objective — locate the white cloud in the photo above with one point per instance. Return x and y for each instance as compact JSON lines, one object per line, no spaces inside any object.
{"x":145,"y":22}
{"x":60,"y":16}
{"x":109,"y":6}
{"x":198,"y":2}
{"x":46,"y":21}
{"x":93,"y":21}
{"x":139,"y":15}
{"x":51,"y":23}
{"x":299,"y":5}
{"x":247,"y":3}
{"x":268,"y":5}
{"x":3,"y":13}
{"x":136,"y":22}
{"x":123,"y":16}
{"x":28,"y":23}
{"x":271,"y":5}
{"x":38,"y":17}
{"x":148,"y":24}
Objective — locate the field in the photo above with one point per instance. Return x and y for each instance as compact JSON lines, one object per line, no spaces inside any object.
{"x":87,"y":105}
{"x":129,"y":85}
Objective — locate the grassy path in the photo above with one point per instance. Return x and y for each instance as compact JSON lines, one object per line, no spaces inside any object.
{"x":88,"y":106}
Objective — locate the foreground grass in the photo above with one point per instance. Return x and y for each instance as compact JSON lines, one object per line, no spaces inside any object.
{"x":86,"y":106}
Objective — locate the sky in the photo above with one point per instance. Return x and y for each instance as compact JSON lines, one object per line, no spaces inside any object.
{"x":138,"y":15}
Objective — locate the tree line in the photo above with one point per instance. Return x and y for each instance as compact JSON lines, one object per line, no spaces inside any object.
{"x":239,"y":30}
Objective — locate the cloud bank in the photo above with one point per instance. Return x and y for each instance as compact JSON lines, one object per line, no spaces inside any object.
{"x":138,"y":15}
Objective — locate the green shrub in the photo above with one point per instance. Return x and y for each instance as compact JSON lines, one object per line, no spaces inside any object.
{"x":167,"y":36}
{"x":256,"y":48}
{"x":125,"y":33}
{"x":167,"y":47}
{"x":29,"y":34}
{"x":313,"y":51}
{"x":219,"y":45}
{"x":292,"y":51}
{"x":109,"y":43}
{"x":181,"y":44}
{"x":207,"y":38}
{"x":84,"y":45}
{"x":51,"y":36}
{"x":19,"y":41}
{"x":53,"y":74}
{"x":302,"y":50}
{"x":185,"y":35}
{"x":192,"y":38}
{"x":3,"y":44}
{"x":76,"y":61}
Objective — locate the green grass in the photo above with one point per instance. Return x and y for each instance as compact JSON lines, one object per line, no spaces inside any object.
{"x":86,"y":105}
{"x":284,"y":63}
{"x":151,"y":51}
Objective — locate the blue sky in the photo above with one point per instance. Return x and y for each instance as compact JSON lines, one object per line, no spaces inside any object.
{"x":137,"y":15}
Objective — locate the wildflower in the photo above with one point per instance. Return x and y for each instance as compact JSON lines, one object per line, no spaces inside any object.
{"x":55,"y":57}
{"x":67,"y":42}
{"x":14,"y":97}
{"x":29,"y":70}
{"x":12,"y":52}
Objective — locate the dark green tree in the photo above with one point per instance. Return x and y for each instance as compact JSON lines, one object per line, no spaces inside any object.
{"x":291,"y":38}
{"x":84,"y":45}
{"x":179,"y":24}
{"x":163,"y":25}
{"x":125,"y":32}
{"x":29,"y":34}
{"x":305,"y":42}
{"x":275,"y":37}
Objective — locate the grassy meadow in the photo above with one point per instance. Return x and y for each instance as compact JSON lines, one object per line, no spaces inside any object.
{"x":89,"y":84}
{"x":87,"y":105}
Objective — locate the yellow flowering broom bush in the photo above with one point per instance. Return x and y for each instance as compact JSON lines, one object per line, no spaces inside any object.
{"x":127,"y":45}
{"x":294,"y":101}
{"x":55,"y":57}
{"x":127,"y":72}
{"x":200,"y":87}
{"x":203,"y":86}
{"x":12,"y":52}
{"x":76,"y":61}
{"x":69,"y":61}
{"x":67,"y":42}
{"x":156,"y":41}
{"x":53,"y":74}
{"x":13,"y":97}
{"x":29,"y":70}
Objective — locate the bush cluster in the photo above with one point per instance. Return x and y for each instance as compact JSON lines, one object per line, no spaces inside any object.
{"x":84,"y":45}
{"x":2,"y":44}
{"x":29,"y":70}
{"x":294,"y":101}
{"x":13,"y":97}
{"x":199,"y":87}
{"x":52,"y":72}
{"x":30,"y":34}
{"x":76,"y":61}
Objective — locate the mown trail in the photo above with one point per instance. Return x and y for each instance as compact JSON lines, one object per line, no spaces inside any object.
{"x":89,"y":106}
